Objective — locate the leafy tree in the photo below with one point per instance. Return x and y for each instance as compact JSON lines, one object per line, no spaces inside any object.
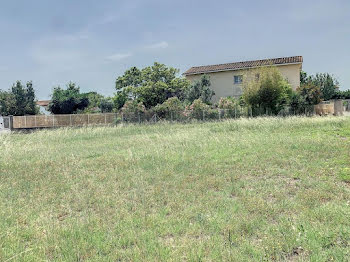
{"x":120,"y":98}
{"x":310,"y":93}
{"x":200,"y":90}
{"x":269,"y":94}
{"x":303,"y":77}
{"x":151,"y":85}
{"x":67,"y":101}
{"x":132,"y":77}
{"x":19,"y":100}
{"x":106,"y":105}
{"x":327,"y":83}
{"x":342,"y":94}
{"x":7,"y":103}
{"x":94,"y":98}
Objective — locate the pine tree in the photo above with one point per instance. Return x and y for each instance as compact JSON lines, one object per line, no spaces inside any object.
{"x":30,"y":108}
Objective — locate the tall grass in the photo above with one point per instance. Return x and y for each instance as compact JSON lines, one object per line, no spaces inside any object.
{"x":243,"y":190}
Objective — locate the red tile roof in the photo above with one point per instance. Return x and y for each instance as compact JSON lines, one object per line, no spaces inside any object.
{"x":243,"y":65}
{"x":43,"y":102}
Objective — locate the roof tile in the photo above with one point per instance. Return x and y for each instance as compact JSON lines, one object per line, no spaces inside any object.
{"x":243,"y":65}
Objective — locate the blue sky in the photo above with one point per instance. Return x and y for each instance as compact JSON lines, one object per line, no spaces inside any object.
{"x":92,"y":42}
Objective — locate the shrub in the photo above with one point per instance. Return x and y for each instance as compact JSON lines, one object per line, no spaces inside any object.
{"x":171,"y":109}
{"x":106,"y":105}
{"x":297,"y":103}
{"x":310,"y":93}
{"x":197,"y":110}
{"x":230,"y":107}
{"x":133,"y":110}
{"x":269,"y":94}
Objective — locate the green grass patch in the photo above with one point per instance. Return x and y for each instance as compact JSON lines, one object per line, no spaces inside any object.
{"x":244,"y":190}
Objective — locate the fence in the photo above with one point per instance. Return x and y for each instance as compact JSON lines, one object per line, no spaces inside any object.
{"x":38,"y":121}
{"x":150,"y":116}
{"x":203,"y":115}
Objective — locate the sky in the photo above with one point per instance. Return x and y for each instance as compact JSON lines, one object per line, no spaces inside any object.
{"x":93,"y":42}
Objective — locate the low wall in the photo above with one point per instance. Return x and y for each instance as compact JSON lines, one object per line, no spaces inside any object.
{"x":324,"y":109}
{"x":333,"y":107}
{"x":38,"y":121}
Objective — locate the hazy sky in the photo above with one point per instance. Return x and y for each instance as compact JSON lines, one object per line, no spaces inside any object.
{"x":92,"y":42}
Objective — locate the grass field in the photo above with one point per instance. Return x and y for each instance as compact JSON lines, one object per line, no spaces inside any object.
{"x":246,"y":190}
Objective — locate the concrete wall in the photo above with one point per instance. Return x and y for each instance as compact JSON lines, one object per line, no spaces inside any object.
{"x":332,"y":107}
{"x":223,"y":82}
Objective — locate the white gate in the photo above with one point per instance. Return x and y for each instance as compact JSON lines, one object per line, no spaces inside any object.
{"x":5,"y":122}
{"x":1,"y":123}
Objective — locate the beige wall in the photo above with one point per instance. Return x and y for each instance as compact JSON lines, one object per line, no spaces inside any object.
{"x":223,"y":85}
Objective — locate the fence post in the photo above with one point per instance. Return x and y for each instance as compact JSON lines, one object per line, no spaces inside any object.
{"x":88,"y":119}
{"x":53,"y":121}
{"x":70,"y":120}
{"x":11,"y":122}
{"x":35,"y":120}
{"x":171,"y":116}
{"x":219,"y":114}
{"x":139,"y":117}
{"x":105,"y":119}
{"x":203,"y":115}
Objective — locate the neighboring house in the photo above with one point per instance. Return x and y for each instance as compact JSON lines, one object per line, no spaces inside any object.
{"x":43,"y":105}
{"x":227,"y":79}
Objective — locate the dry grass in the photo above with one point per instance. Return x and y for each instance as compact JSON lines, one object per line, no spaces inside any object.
{"x":244,"y":190}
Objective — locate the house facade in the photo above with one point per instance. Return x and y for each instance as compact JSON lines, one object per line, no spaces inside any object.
{"x":227,"y":79}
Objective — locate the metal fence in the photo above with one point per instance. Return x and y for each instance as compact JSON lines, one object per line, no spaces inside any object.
{"x":203,"y":115}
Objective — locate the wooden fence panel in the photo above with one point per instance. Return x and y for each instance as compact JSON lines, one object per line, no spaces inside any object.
{"x":37,"y":121}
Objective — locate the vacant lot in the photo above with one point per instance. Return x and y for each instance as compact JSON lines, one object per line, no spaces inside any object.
{"x":245,"y":190}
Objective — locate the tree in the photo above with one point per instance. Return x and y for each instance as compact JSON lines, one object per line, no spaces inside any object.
{"x":31,"y":108}
{"x":303,"y":77}
{"x":19,"y":100}
{"x":310,"y":93}
{"x":151,"y":85}
{"x":106,"y":105}
{"x":120,"y":98}
{"x":19,"y":94}
{"x":200,"y":90}
{"x":94,"y":99}
{"x":67,"y":101}
{"x":7,"y":103}
{"x":343,"y":94}
{"x":268,"y":94}
{"x":328,"y":84}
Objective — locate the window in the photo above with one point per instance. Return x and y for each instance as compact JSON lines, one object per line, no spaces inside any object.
{"x":238,"y":79}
